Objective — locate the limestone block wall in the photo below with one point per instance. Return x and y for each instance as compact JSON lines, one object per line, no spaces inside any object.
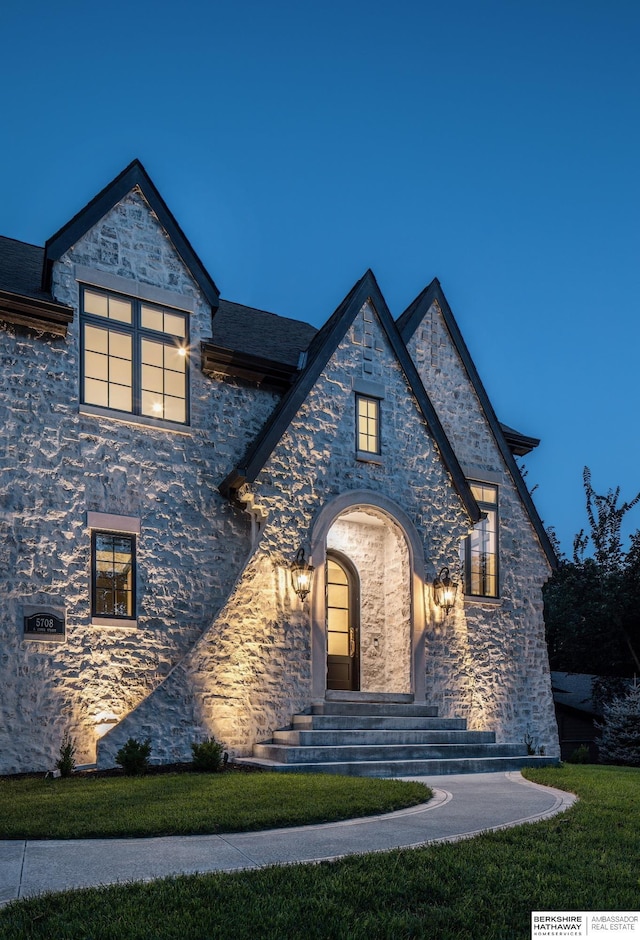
{"x":251,"y":670}
{"x":488,"y":660}
{"x":57,"y":464}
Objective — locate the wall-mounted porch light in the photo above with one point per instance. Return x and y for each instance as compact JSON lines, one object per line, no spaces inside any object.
{"x":301,"y":573}
{"x":445,"y":590}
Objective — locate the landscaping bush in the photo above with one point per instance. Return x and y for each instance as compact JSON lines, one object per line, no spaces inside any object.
{"x":579,"y":756}
{"x":133,"y":757}
{"x":66,"y":763}
{"x":208,"y":755}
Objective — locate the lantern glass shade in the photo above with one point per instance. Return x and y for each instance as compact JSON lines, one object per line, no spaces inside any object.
{"x":445,"y":590}
{"x":301,"y":573}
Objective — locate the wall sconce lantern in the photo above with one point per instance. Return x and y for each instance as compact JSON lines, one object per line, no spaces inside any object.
{"x":445,"y":590}
{"x":301,"y":573}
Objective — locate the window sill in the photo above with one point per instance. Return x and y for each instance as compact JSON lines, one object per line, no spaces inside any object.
{"x":366,"y":457}
{"x":114,"y":622}
{"x":158,"y":424}
{"x":479,"y":601}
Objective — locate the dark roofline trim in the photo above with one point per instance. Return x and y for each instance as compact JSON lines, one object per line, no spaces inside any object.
{"x":321,"y":349}
{"x":519,"y":444}
{"x":132,"y":176}
{"x":408,"y":322}
{"x":42,"y":315}
{"x":263,"y":371}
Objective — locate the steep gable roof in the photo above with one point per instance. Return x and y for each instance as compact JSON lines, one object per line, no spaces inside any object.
{"x":132,"y":176}
{"x":407,"y":324}
{"x":321,"y":348}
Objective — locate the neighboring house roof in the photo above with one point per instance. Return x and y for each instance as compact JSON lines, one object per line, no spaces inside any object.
{"x":322,"y":347}
{"x":22,"y":299}
{"x":132,"y":176}
{"x":574,"y":690}
{"x":408,"y":323}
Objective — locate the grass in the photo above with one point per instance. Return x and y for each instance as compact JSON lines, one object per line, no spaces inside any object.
{"x":182,"y":804}
{"x":482,"y":889}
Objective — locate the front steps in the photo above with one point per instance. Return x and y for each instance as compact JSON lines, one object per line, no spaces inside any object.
{"x":371,"y":735}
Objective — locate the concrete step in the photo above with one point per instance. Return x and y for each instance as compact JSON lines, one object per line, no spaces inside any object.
{"x":286,"y":754}
{"x":404,"y":768}
{"x":366,"y":734}
{"x":389,"y":698}
{"x":377,"y":708}
{"x":371,"y":722}
{"x":378,"y":736}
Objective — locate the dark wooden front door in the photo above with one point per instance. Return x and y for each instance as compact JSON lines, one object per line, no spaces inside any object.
{"x":343,"y":628}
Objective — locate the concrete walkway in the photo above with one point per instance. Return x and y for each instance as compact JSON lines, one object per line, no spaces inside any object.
{"x":462,"y":806}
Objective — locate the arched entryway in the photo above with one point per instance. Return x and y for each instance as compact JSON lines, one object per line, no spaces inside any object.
{"x":375,"y":556}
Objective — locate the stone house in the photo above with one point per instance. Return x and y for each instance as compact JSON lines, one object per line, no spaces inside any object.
{"x":166,"y":457}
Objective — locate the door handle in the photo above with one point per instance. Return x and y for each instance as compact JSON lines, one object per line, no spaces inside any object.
{"x":352,"y":642}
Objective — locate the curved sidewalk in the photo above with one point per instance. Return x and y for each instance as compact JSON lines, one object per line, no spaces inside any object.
{"x":462,"y":806}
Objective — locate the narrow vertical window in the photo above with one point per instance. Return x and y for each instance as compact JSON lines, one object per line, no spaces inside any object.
{"x":481,"y":547}
{"x":113,"y":575}
{"x":368,"y":424}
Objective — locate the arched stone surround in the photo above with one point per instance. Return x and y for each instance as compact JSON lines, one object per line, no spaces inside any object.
{"x":402,"y":600}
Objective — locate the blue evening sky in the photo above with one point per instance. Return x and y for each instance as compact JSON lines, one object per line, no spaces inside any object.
{"x":494,"y":144}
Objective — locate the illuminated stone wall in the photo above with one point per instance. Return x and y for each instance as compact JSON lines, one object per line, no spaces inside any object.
{"x":488,"y":661}
{"x":252,"y":670}
{"x":56,"y":465}
{"x":222,"y":645}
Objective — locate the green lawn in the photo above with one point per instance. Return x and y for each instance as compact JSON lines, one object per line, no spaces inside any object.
{"x":181,"y":804}
{"x":585,"y":859}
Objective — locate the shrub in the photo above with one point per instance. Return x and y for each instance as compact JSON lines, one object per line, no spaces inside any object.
{"x":208,"y":755}
{"x":579,"y":756}
{"x":66,"y":763}
{"x":133,"y":756}
{"x":620,"y":731}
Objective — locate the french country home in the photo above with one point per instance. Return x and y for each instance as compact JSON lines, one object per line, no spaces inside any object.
{"x":314,"y":545}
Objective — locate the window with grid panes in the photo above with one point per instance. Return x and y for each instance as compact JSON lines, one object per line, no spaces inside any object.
{"x":134,"y":356}
{"x":481,"y":547}
{"x":113,"y":575}
{"x":368,"y":424}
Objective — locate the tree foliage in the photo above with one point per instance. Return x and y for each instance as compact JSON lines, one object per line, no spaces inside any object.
{"x":620,"y":731}
{"x":592,"y":604}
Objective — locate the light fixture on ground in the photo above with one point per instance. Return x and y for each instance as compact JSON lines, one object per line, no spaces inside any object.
{"x":445,"y":590}
{"x":301,"y":572}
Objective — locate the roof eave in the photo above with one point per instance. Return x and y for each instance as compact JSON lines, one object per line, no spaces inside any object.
{"x":519,"y":444}
{"x":262,"y":371}
{"x":40,"y":315}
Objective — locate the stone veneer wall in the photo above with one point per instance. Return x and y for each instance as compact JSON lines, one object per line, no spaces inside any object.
{"x":488,"y":660}
{"x":222,"y":645}
{"x":252,"y":669}
{"x":56,"y":464}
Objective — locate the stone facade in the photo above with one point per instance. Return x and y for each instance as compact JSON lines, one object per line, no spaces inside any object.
{"x":221,"y":645}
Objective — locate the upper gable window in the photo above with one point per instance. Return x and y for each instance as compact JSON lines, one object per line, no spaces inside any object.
{"x":368,"y":424}
{"x":134,"y":356}
{"x":481,"y":547}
